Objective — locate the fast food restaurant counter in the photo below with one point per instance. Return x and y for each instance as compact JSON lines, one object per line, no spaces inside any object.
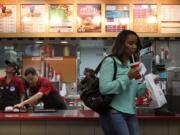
{"x":68,"y":115}
{"x":78,"y":122}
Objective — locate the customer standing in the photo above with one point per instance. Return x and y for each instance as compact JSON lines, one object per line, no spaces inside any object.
{"x":121,"y":119}
{"x":11,"y":86}
{"x":41,"y":88}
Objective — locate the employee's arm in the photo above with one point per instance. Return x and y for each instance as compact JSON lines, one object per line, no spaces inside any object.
{"x":22,"y":97}
{"x":31,"y":101}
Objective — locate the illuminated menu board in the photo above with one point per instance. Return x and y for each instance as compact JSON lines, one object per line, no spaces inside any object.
{"x":117,"y":18}
{"x":61,"y":18}
{"x":170,"y":19}
{"x":145,"y":18}
{"x":8,"y":18}
{"x":33,"y":18}
{"x":88,"y":18}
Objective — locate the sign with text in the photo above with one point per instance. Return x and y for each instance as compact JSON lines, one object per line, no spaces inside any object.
{"x":145,"y":18}
{"x":7,"y":18}
{"x":33,"y":18}
{"x":117,"y":18}
{"x":61,"y":18}
{"x":88,"y":18}
{"x":170,"y":19}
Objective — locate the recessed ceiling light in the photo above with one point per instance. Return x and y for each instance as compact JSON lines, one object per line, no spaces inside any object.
{"x":63,"y":42}
{"x":39,"y":42}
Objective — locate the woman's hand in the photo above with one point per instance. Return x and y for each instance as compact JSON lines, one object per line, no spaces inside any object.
{"x":133,"y":73}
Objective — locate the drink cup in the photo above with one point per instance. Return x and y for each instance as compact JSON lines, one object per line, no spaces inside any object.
{"x":136,"y":65}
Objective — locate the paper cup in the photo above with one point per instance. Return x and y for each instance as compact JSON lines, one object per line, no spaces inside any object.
{"x":136,"y":65}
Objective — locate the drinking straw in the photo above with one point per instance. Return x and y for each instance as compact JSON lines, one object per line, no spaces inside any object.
{"x":133,"y":58}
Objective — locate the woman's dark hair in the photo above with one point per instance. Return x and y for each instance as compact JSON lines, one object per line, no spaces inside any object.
{"x":30,"y":70}
{"x":119,"y":44}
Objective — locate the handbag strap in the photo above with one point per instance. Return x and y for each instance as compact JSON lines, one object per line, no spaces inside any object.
{"x":115,"y":66}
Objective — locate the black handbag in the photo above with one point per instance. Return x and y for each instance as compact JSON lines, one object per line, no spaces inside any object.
{"x":90,"y":93}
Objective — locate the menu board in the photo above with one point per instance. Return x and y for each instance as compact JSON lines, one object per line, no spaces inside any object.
{"x":117,"y":18}
{"x":8,"y":18}
{"x":61,"y":18}
{"x":145,"y":18}
{"x":88,"y":18}
{"x":32,"y":18}
{"x":170,"y":13}
{"x":170,"y":19}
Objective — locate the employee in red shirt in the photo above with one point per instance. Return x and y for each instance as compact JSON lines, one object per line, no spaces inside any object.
{"x":41,"y":88}
{"x":11,"y":86}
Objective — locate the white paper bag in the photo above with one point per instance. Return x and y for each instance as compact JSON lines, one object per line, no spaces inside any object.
{"x":142,"y":69}
{"x":157,"y":95}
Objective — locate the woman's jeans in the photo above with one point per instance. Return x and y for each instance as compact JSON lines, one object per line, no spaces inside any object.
{"x":117,"y":123}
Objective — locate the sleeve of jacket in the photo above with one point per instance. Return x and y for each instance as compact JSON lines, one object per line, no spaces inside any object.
{"x":106,"y":82}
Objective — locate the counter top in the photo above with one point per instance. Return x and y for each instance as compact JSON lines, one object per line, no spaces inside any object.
{"x":70,"y":115}
{"x":54,"y":116}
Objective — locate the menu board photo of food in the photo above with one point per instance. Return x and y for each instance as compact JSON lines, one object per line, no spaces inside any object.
{"x":88,"y":18}
{"x":145,"y":18}
{"x":33,"y":18}
{"x":117,"y":18}
{"x":61,"y":18}
{"x":7,"y":18}
{"x":170,"y":19}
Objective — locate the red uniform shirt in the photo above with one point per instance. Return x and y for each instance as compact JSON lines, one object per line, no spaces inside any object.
{"x":43,"y":85}
{"x":51,"y":97}
{"x":14,"y":81}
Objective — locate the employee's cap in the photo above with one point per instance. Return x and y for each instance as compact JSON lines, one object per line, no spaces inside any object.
{"x":13,"y":64}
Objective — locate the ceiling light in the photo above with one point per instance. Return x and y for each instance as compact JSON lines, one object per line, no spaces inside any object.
{"x":63,"y":42}
{"x":39,"y":42}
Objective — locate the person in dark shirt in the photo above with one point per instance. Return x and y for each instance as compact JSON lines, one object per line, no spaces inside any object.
{"x":11,"y":86}
{"x":41,"y":88}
